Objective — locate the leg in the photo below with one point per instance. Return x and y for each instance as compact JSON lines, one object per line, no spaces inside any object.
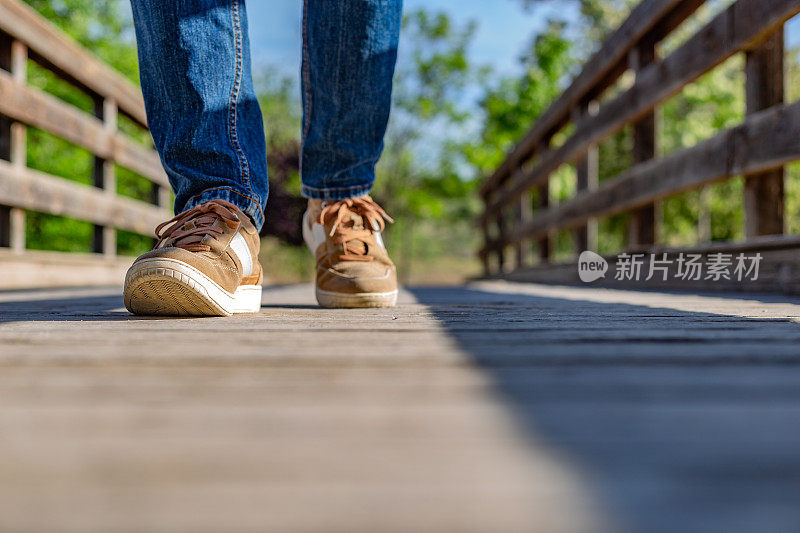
{"x":349,"y":54}
{"x":204,"y":117}
{"x":207,"y":127}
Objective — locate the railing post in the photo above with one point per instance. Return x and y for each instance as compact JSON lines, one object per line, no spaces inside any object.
{"x":704,"y":215}
{"x":642,"y":224}
{"x":543,"y":203}
{"x":763,"y":192}
{"x":105,"y":238}
{"x":587,"y":170}
{"x":523,"y":214}
{"x":485,"y":253}
{"x":13,"y":135}
{"x":501,"y":238}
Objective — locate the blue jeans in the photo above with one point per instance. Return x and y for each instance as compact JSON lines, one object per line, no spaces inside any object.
{"x":204,"y":117}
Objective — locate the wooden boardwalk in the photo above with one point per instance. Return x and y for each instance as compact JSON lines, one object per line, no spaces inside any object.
{"x":489,"y":408}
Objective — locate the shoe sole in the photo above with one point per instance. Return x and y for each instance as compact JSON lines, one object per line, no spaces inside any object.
{"x":341,"y":300}
{"x":168,"y":287}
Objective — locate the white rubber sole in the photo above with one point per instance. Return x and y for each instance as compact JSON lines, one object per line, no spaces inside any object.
{"x":168,"y":287}
{"x":351,"y":301}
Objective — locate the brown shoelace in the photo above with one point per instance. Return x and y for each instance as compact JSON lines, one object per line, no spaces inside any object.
{"x":348,"y":232}
{"x":188,"y":229}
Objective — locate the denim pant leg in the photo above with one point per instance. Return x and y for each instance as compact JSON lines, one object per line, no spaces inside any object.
{"x":349,"y":55}
{"x":201,"y":106}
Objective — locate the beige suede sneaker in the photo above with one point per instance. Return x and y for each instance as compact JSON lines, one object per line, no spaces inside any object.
{"x":353,"y":268}
{"x":204,"y":264}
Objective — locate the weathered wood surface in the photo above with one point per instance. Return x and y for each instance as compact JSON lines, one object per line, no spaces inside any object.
{"x":494,"y":407}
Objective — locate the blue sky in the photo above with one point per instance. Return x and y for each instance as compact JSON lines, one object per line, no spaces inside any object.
{"x":504,"y":28}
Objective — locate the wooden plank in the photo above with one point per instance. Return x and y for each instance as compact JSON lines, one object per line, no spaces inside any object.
{"x":51,"y":46}
{"x":733,"y":30}
{"x":37,"y":108}
{"x":497,"y":407}
{"x":650,"y":15}
{"x":763,"y":192}
{"x":767,"y":140}
{"x":29,"y":189}
{"x":35,"y":269}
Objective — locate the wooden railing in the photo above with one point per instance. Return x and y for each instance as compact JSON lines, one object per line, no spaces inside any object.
{"x":24,"y":36}
{"x":758,"y":149}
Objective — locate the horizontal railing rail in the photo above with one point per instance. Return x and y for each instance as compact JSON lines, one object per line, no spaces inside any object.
{"x":26,"y":36}
{"x":757,"y":149}
{"x":600,"y":72}
{"x":50,"y":47}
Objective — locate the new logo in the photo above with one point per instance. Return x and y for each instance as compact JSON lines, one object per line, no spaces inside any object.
{"x":591,"y":267}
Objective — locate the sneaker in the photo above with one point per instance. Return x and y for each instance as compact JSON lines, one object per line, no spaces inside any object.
{"x":204,"y":264}
{"x":353,"y":268}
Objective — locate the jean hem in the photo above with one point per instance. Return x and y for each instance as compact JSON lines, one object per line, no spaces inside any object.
{"x":241,"y":200}
{"x":333,"y":194}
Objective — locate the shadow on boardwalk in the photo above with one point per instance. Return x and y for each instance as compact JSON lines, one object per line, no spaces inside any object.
{"x":682,"y":420}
